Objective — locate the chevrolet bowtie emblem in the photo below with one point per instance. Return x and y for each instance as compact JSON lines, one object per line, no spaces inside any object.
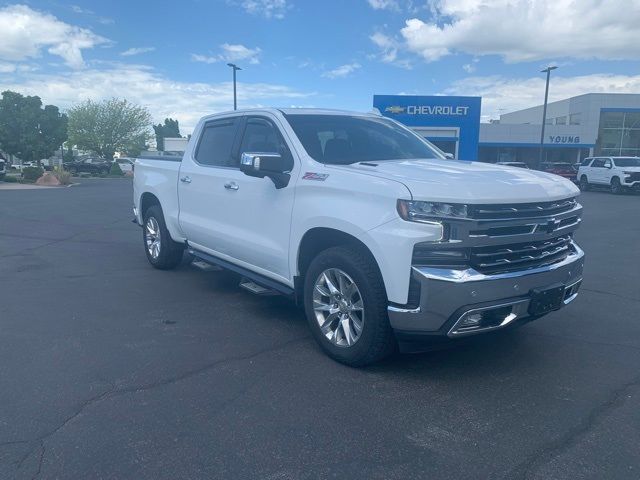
{"x":395,"y":109}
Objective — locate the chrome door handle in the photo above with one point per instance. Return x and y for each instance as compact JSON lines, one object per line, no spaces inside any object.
{"x":186,"y":179}
{"x":231,"y":186}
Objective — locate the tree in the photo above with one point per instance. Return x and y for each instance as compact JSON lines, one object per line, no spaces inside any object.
{"x":27,"y":130}
{"x":108,"y":126}
{"x":170,"y":129}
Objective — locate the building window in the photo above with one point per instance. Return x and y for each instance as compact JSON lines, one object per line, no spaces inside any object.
{"x":548,"y":121}
{"x":619,"y":134}
{"x":561,"y":120}
{"x":575,"y":119}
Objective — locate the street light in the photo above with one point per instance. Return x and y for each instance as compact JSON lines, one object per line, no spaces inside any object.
{"x":544,"y":110}
{"x":235,"y":67}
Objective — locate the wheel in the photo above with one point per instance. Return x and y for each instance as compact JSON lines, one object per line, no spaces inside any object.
{"x":162,"y":252}
{"x":584,"y":183}
{"x":616,"y":187}
{"x":73,"y":171}
{"x":346,"y":306}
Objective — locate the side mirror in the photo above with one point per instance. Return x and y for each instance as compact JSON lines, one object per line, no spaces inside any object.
{"x":270,"y":165}
{"x":448,"y":156}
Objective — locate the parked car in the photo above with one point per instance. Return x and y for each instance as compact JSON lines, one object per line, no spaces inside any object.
{"x":126,"y":164}
{"x":617,"y":173}
{"x":514,"y":164}
{"x":365,"y":224}
{"x":564,"y":169}
{"x":91,"y":165}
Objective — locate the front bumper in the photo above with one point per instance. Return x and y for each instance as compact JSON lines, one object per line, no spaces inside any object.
{"x":448,"y":297}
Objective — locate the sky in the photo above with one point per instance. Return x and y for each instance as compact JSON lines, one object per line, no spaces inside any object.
{"x":172,"y":56}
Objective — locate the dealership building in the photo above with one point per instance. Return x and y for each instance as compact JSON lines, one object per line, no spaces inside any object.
{"x":575,"y":128}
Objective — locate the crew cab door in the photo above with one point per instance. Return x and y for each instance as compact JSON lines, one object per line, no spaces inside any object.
{"x":596,"y":172}
{"x":201,"y":182}
{"x":226,"y":213}
{"x":607,"y":171}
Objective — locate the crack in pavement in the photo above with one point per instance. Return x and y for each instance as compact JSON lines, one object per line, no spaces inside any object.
{"x":604,"y":292}
{"x":71,"y":237}
{"x":114,"y":391}
{"x":552,"y":449}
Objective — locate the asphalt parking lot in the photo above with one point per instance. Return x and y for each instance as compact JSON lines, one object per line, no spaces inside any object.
{"x":110,"y":369}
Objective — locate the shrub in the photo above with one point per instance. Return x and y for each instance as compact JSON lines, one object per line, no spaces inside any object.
{"x":63,"y":176}
{"x":31,"y":174}
{"x":116,"y":171}
{"x":10,"y":179}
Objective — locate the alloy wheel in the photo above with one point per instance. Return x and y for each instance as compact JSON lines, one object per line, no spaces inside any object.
{"x":152,"y":237}
{"x":338,"y":307}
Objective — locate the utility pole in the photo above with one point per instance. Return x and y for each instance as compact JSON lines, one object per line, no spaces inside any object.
{"x":235,"y":68}
{"x":544,"y":111}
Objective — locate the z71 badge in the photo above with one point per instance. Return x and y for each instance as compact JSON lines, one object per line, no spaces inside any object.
{"x":315,"y":176}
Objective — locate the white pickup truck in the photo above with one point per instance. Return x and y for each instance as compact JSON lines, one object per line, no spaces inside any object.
{"x":364,"y":223}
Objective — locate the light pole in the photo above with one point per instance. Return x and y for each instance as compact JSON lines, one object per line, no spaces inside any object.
{"x":235,"y":68}
{"x":544,"y":111}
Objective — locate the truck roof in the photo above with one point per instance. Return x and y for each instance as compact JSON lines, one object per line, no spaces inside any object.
{"x":295,"y":111}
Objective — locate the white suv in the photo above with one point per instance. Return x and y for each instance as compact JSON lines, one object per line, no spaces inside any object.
{"x":618,"y":173}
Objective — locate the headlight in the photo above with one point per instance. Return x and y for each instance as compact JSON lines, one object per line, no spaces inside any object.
{"x":416,"y":211}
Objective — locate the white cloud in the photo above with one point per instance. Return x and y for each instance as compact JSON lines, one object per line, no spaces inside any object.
{"x":500,"y":94}
{"x":230,"y":53}
{"x":384,"y":4}
{"x":469,"y":67}
{"x":266,"y":8}
{"x":388,"y":48}
{"x":525,"y":30}
{"x":140,"y":84}
{"x":387,"y":45}
{"x":137,"y":51}
{"x":342,"y":70}
{"x":25,"y":32}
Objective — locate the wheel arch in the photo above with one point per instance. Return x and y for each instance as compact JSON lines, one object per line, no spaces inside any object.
{"x":147,"y":200}
{"x":317,"y":239}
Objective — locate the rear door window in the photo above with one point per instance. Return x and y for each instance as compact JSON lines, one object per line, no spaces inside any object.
{"x":216,"y":143}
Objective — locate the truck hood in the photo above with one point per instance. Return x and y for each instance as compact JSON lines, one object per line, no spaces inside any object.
{"x":470,"y":182}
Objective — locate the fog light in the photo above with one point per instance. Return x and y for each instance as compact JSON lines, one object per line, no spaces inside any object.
{"x":472,"y":320}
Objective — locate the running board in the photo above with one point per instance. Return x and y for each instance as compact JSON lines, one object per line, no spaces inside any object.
{"x":205,"y":266}
{"x":260,"y":280}
{"x":256,"y":289}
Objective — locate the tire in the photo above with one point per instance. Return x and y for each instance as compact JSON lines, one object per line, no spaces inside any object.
{"x":616,"y":187}
{"x":162,"y":252}
{"x":584,"y":183}
{"x":375,"y":339}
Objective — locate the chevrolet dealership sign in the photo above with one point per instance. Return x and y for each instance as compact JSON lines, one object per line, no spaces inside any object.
{"x":457,"y":114}
{"x":429,"y":110}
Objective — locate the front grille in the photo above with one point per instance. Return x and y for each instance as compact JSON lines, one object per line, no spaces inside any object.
{"x":521,"y":210}
{"x":633,"y":177}
{"x":496,"y":258}
{"x":520,"y":256}
{"x":504,"y":238}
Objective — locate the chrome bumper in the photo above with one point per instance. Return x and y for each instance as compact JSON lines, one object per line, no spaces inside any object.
{"x":447,"y":297}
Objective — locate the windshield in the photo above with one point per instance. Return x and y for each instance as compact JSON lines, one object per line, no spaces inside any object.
{"x":343,"y":139}
{"x":627,"y":162}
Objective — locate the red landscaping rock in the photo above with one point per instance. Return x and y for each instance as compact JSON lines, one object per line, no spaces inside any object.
{"x":48,"y":179}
